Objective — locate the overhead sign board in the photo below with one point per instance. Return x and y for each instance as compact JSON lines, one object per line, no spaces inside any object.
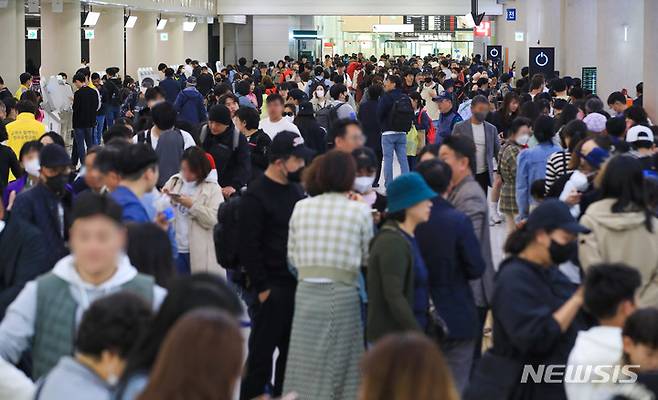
{"x":510,"y":14}
{"x":542,"y":61}
{"x":495,"y":53}
{"x":484,"y":29}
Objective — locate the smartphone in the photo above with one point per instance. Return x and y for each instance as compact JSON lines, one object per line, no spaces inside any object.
{"x":174,"y":195}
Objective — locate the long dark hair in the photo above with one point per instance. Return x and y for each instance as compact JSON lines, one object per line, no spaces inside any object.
{"x":623,"y":180}
{"x":185,"y":294}
{"x":149,"y":250}
{"x":505,"y":114}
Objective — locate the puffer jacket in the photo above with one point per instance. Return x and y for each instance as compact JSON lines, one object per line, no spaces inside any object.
{"x":622,"y":238}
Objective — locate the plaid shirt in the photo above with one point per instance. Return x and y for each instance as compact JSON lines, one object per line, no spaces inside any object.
{"x":329,"y":237}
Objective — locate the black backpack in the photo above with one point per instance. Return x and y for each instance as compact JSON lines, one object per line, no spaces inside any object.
{"x":225,"y":234}
{"x":328,"y":116}
{"x":402,"y":114}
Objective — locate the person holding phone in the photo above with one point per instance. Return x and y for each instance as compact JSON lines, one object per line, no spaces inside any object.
{"x":196,"y":197}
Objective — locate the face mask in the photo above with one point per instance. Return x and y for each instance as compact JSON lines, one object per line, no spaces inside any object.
{"x":562,"y":252}
{"x":453,"y":76}
{"x":57,"y":184}
{"x":112,"y":379}
{"x":522,"y":140}
{"x":596,"y":157}
{"x":32,"y":167}
{"x":296,"y":176}
{"x":480,"y":116}
{"x":363,"y":184}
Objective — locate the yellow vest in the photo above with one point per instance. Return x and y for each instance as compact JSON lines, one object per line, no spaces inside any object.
{"x":26,"y":128}
{"x":21,"y":89}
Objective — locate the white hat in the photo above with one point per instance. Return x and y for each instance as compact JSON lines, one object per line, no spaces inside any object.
{"x":639,"y":133}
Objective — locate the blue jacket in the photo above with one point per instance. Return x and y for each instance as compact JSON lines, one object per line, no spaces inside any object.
{"x":453,"y":257}
{"x":38,"y":206}
{"x":171,"y":89}
{"x":446,"y":123}
{"x":244,"y":101}
{"x":190,"y":107}
{"x":531,"y":166}
{"x":133,"y":209}
{"x":384,"y":107}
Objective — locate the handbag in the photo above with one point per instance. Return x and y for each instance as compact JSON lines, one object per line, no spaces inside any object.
{"x":437,"y":329}
{"x":412,"y":141}
{"x":495,"y":377}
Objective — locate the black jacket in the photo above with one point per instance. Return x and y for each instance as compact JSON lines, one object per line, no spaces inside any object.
{"x":38,"y":207}
{"x":313,"y":134}
{"x":525,"y":298}
{"x":85,"y":104}
{"x":204,"y":84}
{"x":370,"y":124}
{"x":22,"y":259}
{"x":259,"y":149}
{"x":232,"y":160}
{"x":8,"y":161}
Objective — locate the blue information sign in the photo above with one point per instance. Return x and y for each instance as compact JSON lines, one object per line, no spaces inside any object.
{"x":511,"y":14}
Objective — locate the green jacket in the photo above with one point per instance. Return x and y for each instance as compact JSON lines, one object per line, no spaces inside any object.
{"x":390,"y":284}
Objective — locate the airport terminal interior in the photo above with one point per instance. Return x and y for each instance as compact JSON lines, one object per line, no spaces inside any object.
{"x":340,"y":200}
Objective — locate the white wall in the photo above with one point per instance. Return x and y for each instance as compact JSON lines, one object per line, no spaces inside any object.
{"x":60,"y":39}
{"x":170,"y":51}
{"x":195,"y":43}
{"x":580,"y":26}
{"x":12,"y":46}
{"x":620,"y":63}
{"x":106,"y":49}
{"x":651,"y":58}
{"x":354,"y":7}
{"x":140,"y":43}
{"x":244,"y":41}
{"x":271,"y":35}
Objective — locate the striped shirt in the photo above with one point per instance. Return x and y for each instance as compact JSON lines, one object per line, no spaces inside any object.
{"x":556,"y":166}
{"x":329,"y":236}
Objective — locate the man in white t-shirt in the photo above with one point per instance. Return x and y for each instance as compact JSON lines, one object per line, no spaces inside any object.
{"x":275,"y":123}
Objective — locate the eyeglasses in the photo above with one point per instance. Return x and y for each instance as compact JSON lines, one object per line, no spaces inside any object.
{"x":288,"y":114}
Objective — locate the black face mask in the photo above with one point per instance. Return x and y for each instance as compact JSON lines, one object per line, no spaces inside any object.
{"x":562,"y":252}
{"x":296,"y":176}
{"x":57,"y":184}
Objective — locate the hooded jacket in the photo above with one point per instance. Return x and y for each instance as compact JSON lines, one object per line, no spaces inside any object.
{"x":72,"y":380}
{"x":190,"y":107}
{"x":602,"y":346}
{"x":18,"y":327}
{"x":202,"y":219}
{"x":624,"y":238}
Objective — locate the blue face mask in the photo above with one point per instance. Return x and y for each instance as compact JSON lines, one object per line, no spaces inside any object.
{"x":596,"y":157}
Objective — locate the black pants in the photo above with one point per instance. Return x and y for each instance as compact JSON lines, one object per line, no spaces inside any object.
{"x":483,"y":180}
{"x":380,"y":156}
{"x":477,"y":351}
{"x":270,"y":330}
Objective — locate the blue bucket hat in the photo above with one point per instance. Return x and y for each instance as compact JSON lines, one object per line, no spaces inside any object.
{"x":406,"y":191}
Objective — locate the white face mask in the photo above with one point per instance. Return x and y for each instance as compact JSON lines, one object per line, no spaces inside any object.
{"x":453,"y":76}
{"x":112,"y":379}
{"x":363,"y":183}
{"x":32,"y":167}
{"x":522,"y":140}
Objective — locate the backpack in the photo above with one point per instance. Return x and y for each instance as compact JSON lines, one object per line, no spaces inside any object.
{"x":204,"y":134}
{"x":464,"y":110}
{"x":402,"y":114}
{"x":225,"y":234}
{"x":430,"y":133}
{"x":327,"y":116}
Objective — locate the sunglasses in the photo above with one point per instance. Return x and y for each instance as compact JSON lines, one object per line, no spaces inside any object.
{"x":288,"y":114}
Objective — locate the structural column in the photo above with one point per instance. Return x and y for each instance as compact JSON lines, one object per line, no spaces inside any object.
{"x":106,"y":49}
{"x":140,"y":43}
{"x":170,"y":51}
{"x":271,"y":35}
{"x":650,"y":59}
{"x":60,"y":39}
{"x":12,"y":46}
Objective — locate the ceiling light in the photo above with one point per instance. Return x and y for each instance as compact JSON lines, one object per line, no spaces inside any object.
{"x":130,"y":23}
{"x":188,"y":26}
{"x":161,"y":24}
{"x":92,"y":18}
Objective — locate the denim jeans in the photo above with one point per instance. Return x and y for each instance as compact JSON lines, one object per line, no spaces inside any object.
{"x":83,"y":138}
{"x":112,"y":115}
{"x":183,"y":264}
{"x":396,"y":142}
{"x":98,"y":131}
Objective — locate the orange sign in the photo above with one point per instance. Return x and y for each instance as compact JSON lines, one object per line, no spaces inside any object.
{"x":484,"y":29}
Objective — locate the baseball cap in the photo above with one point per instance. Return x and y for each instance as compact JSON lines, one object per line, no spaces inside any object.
{"x":191,"y":81}
{"x":287,"y":144}
{"x":54,"y":155}
{"x":442,"y":97}
{"x":595,"y":122}
{"x":639,"y":133}
{"x":554,"y":214}
{"x":298,"y":94}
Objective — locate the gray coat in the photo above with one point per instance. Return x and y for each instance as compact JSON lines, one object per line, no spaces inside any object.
{"x":492,"y":144}
{"x":469,"y":198}
{"x":72,"y":381}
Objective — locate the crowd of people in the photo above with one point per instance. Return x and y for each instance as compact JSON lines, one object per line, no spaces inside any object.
{"x":136,"y":248}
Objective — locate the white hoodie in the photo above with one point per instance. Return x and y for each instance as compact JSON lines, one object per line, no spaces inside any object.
{"x":600,"y":345}
{"x":17,"y":328}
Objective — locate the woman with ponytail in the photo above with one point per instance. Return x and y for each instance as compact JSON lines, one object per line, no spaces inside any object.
{"x":535,"y":308}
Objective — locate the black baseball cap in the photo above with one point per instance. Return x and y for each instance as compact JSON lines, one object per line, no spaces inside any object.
{"x":298,"y":94}
{"x":441,"y":97}
{"x":554,"y":214}
{"x":287,"y":144}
